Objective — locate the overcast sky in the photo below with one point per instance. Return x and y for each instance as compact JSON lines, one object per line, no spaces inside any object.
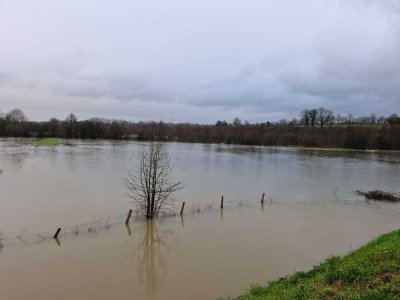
{"x":199,"y":61}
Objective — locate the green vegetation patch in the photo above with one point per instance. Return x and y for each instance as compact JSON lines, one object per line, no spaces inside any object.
{"x":49,"y":142}
{"x":241,"y":149}
{"x":372,"y":272}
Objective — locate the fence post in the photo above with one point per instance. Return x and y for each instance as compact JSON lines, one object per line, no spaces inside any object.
{"x":262,"y":198}
{"x":222,"y":202}
{"x":182,"y":208}
{"x":57,"y":233}
{"x":128,"y":217}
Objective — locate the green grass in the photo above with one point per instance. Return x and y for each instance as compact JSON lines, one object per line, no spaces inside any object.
{"x":240,"y":149}
{"x":48,"y":142}
{"x":371,"y":272}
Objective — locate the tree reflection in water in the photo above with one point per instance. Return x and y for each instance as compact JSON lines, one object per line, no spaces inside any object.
{"x":151,"y":256}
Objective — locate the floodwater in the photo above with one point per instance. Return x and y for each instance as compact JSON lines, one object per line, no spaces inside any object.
{"x":310,"y":212}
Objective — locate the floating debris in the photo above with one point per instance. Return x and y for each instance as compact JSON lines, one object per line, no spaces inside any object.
{"x":379,"y":195}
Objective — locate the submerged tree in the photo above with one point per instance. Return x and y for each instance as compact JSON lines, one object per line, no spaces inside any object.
{"x":151,"y":187}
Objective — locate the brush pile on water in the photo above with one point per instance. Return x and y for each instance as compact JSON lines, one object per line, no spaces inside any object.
{"x":379,"y":195}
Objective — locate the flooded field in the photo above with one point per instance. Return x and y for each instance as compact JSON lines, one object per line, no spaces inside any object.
{"x":310,"y":213}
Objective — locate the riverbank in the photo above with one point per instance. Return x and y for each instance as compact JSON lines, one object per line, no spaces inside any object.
{"x":371,"y":272}
{"x":229,"y":147}
{"x":346,"y":136}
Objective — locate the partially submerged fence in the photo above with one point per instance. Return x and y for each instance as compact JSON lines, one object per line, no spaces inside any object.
{"x":24,"y":238}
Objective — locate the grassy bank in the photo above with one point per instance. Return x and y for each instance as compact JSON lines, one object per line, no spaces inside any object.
{"x":48,"y":142}
{"x":372,"y":272}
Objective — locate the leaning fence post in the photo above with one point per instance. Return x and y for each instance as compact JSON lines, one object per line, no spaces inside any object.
{"x":128,"y":217}
{"x":222,"y":202}
{"x":183,"y":206}
{"x":57,"y":233}
{"x":262,"y":198}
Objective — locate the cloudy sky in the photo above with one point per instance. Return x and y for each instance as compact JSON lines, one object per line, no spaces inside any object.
{"x":199,"y":61}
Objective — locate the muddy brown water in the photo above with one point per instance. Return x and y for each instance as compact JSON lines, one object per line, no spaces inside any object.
{"x":313,"y":214}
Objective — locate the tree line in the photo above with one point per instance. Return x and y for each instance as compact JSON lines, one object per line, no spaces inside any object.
{"x":314,"y":128}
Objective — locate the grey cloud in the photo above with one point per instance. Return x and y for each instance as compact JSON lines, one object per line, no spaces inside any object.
{"x":200,"y":61}
{"x":118,"y":86}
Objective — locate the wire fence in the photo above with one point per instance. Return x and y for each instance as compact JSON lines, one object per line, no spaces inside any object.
{"x":25,"y":238}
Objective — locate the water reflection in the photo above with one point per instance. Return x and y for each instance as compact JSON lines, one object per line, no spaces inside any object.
{"x":57,"y":241}
{"x":151,"y":255}
{"x":128,"y":229}
{"x":19,"y":158}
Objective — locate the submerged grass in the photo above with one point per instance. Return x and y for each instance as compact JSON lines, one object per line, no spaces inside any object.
{"x":48,"y":142}
{"x":372,"y":272}
{"x":238,"y":149}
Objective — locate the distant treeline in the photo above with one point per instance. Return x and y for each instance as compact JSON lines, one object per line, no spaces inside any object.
{"x":314,"y":128}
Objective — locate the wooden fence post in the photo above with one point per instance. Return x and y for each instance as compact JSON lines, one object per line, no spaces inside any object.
{"x":262,"y":198}
{"x":183,"y":206}
{"x":128,"y":217}
{"x":222,"y":202}
{"x":57,"y":233}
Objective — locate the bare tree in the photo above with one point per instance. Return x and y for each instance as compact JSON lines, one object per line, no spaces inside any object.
{"x":305,"y":117}
{"x":151,"y":187}
{"x":16,"y":115}
{"x":324,"y":116}
{"x":393,"y":119}
{"x":313,"y":116}
{"x":16,"y":122}
{"x":71,"y":121}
